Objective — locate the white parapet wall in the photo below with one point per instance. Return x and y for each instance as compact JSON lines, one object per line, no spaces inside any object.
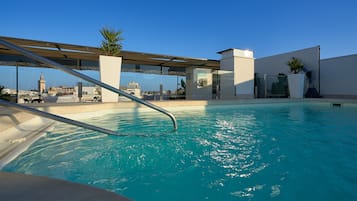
{"x":273,"y":65}
{"x":339,"y":77}
{"x":110,"y":68}
{"x":240,"y":82}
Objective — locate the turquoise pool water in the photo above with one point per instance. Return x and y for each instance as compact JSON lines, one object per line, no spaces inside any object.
{"x":248,"y":152}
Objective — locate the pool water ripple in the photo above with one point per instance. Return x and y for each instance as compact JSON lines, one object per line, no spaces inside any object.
{"x":289,"y":152}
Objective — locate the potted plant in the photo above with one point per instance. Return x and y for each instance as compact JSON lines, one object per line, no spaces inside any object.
{"x":295,"y":65}
{"x":110,"y":62}
{"x":111,"y":44}
{"x":296,"y":80}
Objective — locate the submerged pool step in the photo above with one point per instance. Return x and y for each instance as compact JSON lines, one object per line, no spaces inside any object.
{"x":336,"y":104}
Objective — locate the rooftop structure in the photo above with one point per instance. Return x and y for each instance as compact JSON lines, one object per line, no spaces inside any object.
{"x":87,"y":58}
{"x":233,"y":76}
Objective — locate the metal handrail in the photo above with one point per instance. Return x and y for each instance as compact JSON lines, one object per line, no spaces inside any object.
{"x":55,"y":117}
{"x":87,"y":78}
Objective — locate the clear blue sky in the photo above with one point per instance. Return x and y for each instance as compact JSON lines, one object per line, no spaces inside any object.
{"x":192,"y":28}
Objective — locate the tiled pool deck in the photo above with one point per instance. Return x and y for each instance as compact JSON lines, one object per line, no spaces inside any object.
{"x":20,"y":187}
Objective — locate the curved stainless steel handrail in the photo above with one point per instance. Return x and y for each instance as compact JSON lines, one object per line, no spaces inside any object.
{"x":87,"y":78}
{"x":55,"y":117}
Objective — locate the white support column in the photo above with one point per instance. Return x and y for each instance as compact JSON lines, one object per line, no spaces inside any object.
{"x":198,"y":84}
{"x":241,"y":64}
{"x":110,"y":68}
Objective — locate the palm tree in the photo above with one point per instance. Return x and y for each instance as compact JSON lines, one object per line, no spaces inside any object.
{"x":111,"y":44}
{"x":182,"y":89}
{"x":183,"y":84}
{"x":295,"y":65}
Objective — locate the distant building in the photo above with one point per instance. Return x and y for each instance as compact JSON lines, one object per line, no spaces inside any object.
{"x":60,"y":91}
{"x":89,"y":93}
{"x":42,"y":84}
{"x":7,"y":91}
{"x":133,"y":88}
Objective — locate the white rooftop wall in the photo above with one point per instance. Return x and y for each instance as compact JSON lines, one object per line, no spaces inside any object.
{"x":273,"y":65}
{"x":339,"y":77}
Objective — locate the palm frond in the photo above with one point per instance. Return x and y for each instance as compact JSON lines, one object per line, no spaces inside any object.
{"x":111,"y":44}
{"x":295,"y":65}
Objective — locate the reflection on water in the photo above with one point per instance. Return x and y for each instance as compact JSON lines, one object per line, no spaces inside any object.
{"x":238,"y":153}
{"x":235,"y":147}
{"x":248,"y":192}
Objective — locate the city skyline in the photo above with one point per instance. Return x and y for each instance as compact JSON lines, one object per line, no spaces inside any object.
{"x":33,"y":75}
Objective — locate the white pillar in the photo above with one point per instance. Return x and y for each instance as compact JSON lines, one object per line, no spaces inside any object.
{"x":198,"y":84}
{"x":110,"y":68}
{"x":241,"y":64}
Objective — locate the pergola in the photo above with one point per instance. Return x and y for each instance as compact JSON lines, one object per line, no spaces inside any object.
{"x":87,"y":58}
{"x":63,"y":56}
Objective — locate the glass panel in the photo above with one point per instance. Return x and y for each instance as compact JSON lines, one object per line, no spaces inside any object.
{"x":38,"y":85}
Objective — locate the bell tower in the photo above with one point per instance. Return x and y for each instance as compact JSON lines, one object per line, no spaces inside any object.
{"x":41,"y":84}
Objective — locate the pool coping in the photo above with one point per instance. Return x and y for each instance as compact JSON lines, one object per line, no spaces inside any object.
{"x":19,"y":187}
{"x":16,"y":139}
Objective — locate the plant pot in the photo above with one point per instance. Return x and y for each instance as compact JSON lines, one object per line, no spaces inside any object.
{"x":296,"y":85}
{"x":110,"y":68}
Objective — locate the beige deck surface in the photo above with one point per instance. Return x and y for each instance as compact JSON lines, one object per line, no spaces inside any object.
{"x":10,"y":118}
{"x":20,"y":187}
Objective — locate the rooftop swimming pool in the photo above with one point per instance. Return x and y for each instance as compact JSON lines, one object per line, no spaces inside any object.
{"x":304,"y":151}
